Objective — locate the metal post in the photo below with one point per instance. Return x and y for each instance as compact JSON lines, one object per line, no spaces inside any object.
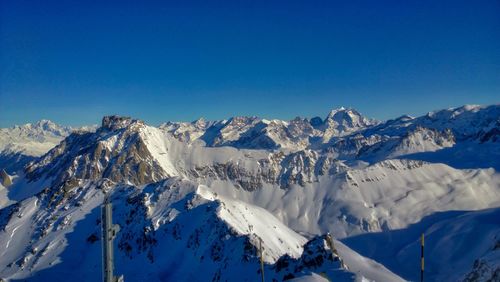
{"x":109,"y":231}
{"x":422,"y":258}
{"x":261,"y":259}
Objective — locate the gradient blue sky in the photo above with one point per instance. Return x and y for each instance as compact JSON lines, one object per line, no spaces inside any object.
{"x":75,"y":61}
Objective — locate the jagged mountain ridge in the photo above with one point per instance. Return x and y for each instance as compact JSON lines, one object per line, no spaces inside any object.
{"x":258,"y":133}
{"x":340,"y":127}
{"x":312,"y":191}
{"x":116,"y":151}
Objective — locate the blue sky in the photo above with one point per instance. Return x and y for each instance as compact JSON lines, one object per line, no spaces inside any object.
{"x":75,"y":61}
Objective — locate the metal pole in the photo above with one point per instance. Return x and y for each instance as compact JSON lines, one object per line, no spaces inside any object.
{"x":422,"y":258}
{"x":261,"y":259}
{"x":109,"y":231}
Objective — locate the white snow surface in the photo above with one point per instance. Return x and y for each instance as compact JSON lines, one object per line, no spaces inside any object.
{"x":35,"y":139}
{"x":374,"y":186}
{"x":157,"y":145}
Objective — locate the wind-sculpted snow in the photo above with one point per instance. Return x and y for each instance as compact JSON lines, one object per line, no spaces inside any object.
{"x":193,"y":200}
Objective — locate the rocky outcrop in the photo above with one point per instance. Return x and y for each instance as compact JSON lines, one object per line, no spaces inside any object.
{"x":317,"y":257}
{"x":117,"y":151}
{"x":118,"y":122}
{"x":5,"y":178}
{"x":482,"y":271}
{"x":13,"y":162}
{"x":418,"y":140}
{"x":298,"y":168}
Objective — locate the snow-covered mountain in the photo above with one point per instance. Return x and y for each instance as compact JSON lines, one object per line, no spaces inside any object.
{"x":194,"y":200}
{"x":451,"y":236}
{"x":21,"y":144}
{"x":257,"y":133}
{"x":32,"y":139}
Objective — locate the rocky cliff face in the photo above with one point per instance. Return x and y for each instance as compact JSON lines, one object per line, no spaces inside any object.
{"x":116,"y":151}
{"x":199,"y":197}
{"x":417,"y":140}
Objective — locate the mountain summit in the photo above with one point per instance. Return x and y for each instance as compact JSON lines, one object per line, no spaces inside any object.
{"x":322,"y":197}
{"x":348,"y":119}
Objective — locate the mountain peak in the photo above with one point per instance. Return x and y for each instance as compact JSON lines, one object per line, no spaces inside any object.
{"x":137,"y":154}
{"x":115,"y":122}
{"x":200,"y":122}
{"x":45,"y":123}
{"x":342,"y":111}
{"x":346,"y":118}
{"x":334,"y":111}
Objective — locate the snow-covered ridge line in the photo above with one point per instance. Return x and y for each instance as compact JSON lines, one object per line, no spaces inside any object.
{"x":208,"y":192}
{"x":161,"y":223}
{"x":470,"y":121}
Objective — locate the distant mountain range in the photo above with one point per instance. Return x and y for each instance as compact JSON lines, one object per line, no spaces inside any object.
{"x":194,"y":199}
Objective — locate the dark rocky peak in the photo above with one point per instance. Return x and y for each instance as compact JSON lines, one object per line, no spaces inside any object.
{"x":118,"y":151}
{"x":319,"y":255}
{"x":115,"y":122}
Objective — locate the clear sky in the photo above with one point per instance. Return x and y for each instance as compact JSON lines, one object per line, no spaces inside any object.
{"x":75,"y":61}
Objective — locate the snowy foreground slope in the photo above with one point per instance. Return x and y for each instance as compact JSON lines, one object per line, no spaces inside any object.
{"x":194,"y":200}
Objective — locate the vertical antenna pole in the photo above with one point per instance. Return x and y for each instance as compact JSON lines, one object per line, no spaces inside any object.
{"x":422,"y":258}
{"x":109,"y":231}
{"x":261,"y":259}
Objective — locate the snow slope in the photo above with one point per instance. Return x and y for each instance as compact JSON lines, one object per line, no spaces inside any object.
{"x":214,"y":236}
{"x":194,"y":199}
{"x":459,"y":244}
